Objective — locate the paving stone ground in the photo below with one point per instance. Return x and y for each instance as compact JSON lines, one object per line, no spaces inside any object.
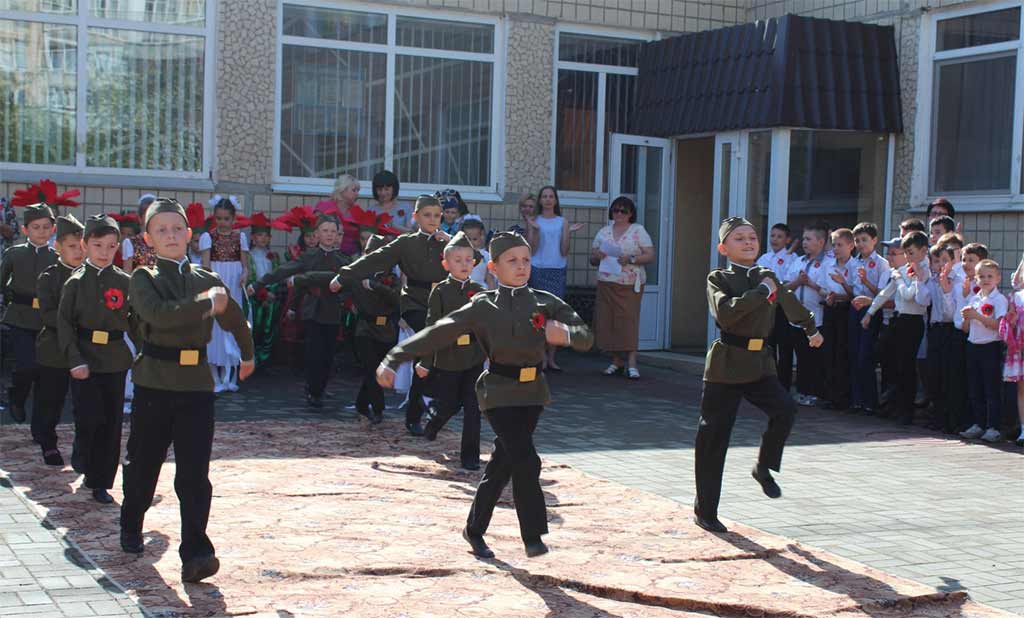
{"x":902,"y":499}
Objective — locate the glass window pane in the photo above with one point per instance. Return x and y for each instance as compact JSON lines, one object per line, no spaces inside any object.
{"x":450,"y":35}
{"x":837,"y":177}
{"x":619,"y":110}
{"x":973,"y":129}
{"x":335,"y":25}
{"x":978,"y":29}
{"x":725,"y":188}
{"x":332,"y":112}
{"x":443,"y":121}
{"x":52,"y":7}
{"x":38,"y":87}
{"x":576,"y":129}
{"x":759,"y":165}
{"x":178,"y":12}
{"x":599,"y":50}
{"x":144,"y":105}
{"x":650,"y":200}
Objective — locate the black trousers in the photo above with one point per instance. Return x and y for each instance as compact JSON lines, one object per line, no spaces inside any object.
{"x":49,"y":405}
{"x":885,"y":354}
{"x":99,"y":400}
{"x":907,"y":331}
{"x":370,"y":352}
{"x":161,"y":418}
{"x":782,"y":346}
{"x":810,"y":363}
{"x":416,"y":320}
{"x":515,"y":458}
{"x":985,"y":383}
{"x":457,"y":389}
{"x":939,"y":338}
{"x":26,"y":372}
{"x":954,"y":376}
{"x":718,"y":406}
{"x":836,"y":331}
{"x":321,"y":342}
{"x":861,"y":345}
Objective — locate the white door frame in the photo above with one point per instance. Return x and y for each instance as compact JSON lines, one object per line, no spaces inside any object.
{"x":663,"y":252}
{"x":737,"y":197}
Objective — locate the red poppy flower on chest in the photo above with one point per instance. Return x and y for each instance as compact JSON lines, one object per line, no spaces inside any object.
{"x":113,"y":298}
{"x":817,"y":264}
{"x":976,"y":289}
{"x":987,"y":310}
{"x":538,"y":320}
{"x":871,"y":264}
{"x":470,"y":293}
{"x":910,"y":270}
{"x":401,"y":213}
{"x":781,"y":261}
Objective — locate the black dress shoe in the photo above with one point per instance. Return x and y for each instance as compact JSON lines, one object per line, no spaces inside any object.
{"x":314,"y":402}
{"x":414,"y":428}
{"x":131,"y":543}
{"x":18,"y":411}
{"x":768,"y":484}
{"x":711,"y":524}
{"x":471,"y":466}
{"x":364,"y":413}
{"x":476,"y":541}
{"x":377,"y":417}
{"x":198,"y":569}
{"x":535,"y":547}
{"x":101,"y":496}
{"x":52,"y":458}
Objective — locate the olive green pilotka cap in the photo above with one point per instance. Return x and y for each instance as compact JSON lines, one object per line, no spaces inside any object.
{"x":68,"y":224}
{"x":101,"y":225}
{"x":37,"y":211}
{"x":164,"y":204}
{"x":503,"y":241}
{"x":730,"y":225}
{"x":425,"y":200}
{"x":460,"y":240}
{"x":326,"y":218}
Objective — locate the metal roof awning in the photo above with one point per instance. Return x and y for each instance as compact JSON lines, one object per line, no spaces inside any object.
{"x":789,"y":71}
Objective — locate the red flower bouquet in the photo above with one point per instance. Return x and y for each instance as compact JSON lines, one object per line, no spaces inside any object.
{"x":114,"y":299}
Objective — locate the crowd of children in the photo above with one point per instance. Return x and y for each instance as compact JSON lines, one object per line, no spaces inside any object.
{"x":929,"y":313}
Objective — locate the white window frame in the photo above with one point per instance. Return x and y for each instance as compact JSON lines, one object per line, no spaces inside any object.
{"x":595,"y":198}
{"x":324,"y":186}
{"x":83,"y":21}
{"x":920,"y":186}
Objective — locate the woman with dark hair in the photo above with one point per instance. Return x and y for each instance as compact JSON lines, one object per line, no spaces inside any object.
{"x":549,"y":252}
{"x":385,"y":190}
{"x":620,"y":251}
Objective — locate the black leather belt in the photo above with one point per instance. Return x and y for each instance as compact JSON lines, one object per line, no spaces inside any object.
{"x":25,"y":299}
{"x":420,"y":283}
{"x":523,"y":374}
{"x":183,"y":356}
{"x":752,"y":344}
{"x":100,"y":337}
{"x":942,"y":324}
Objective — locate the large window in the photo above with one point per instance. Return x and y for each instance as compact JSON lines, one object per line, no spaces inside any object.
{"x":364,"y":89}
{"x":976,"y":74}
{"x":595,"y":96}
{"x":105,"y":85}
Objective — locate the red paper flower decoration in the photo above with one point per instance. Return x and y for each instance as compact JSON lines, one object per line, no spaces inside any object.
{"x":401,"y":213}
{"x":976,"y":289}
{"x":388,"y":280}
{"x":470,"y":293}
{"x":772,"y":297}
{"x":271,"y":256}
{"x":114,"y":299}
{"x":871,"y":264}
{"x":195,"y":214}
{"x":302,"y":217}
{"x":45,"y":191}
{"x":987,"y":310}
{"x":262,"y":294}
{"x":817,"y":264}
{"x":369,"y":220}
{"x":910,"y":270}
{"x":538,"y":320}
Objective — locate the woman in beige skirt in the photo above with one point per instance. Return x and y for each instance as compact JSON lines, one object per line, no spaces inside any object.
{"x":620,"y":251}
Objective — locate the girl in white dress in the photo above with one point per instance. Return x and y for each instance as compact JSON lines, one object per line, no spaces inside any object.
{"x":225,"y":251}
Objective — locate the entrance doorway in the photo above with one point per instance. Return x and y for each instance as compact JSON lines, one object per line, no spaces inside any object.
{"x":694,"y":190}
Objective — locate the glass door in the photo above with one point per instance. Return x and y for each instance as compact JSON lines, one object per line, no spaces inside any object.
{"x":728,"y":198}
{"x":640,"y":168}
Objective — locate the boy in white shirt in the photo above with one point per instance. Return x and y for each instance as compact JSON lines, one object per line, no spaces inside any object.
{"x":836,"y":320}
{"x":778,"y":259}
{"x":872,"y":275}
{"x":985,"y":353}
{"x":473,"y":227}
{"x":808,"y":279}
{"x":940,"y":331}
{"x":962,"y":287}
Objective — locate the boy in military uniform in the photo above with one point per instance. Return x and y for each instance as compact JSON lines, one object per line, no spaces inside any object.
{"x":320,"y":311}
{"x":456,"y":368}
{"x":743,"y":299}
{"x":419,"y":255}
{"x":175,"y":306}
{"x":19,"y":271}
{"x":91,"y":325}
{"x":53,"y":363}
{"x":512,"y":324}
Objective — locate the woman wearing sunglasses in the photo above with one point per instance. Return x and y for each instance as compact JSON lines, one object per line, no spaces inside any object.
{"x":621,"y":249}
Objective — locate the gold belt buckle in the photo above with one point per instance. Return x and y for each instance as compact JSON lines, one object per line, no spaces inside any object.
{"x":463,"y":340}
{"x":35,"y":303}
{"x":100,"y":337}
{"x":188,"y":357}
{"x":382,"y":320}
{"x":527,"y":374}
{"x":755,"y":345}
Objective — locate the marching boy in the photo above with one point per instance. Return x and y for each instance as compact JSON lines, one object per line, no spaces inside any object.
{"x":53,"y":363}
{"x":175,"y":305}
{"x":91,"y":324}
{"x":457,"y":367}
{"x":512,"y":324}
{"x":743,"y":299}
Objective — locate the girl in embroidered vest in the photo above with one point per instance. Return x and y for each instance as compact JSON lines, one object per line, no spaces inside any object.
{"x":225,"y":251}
{"x":134,"y":250}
